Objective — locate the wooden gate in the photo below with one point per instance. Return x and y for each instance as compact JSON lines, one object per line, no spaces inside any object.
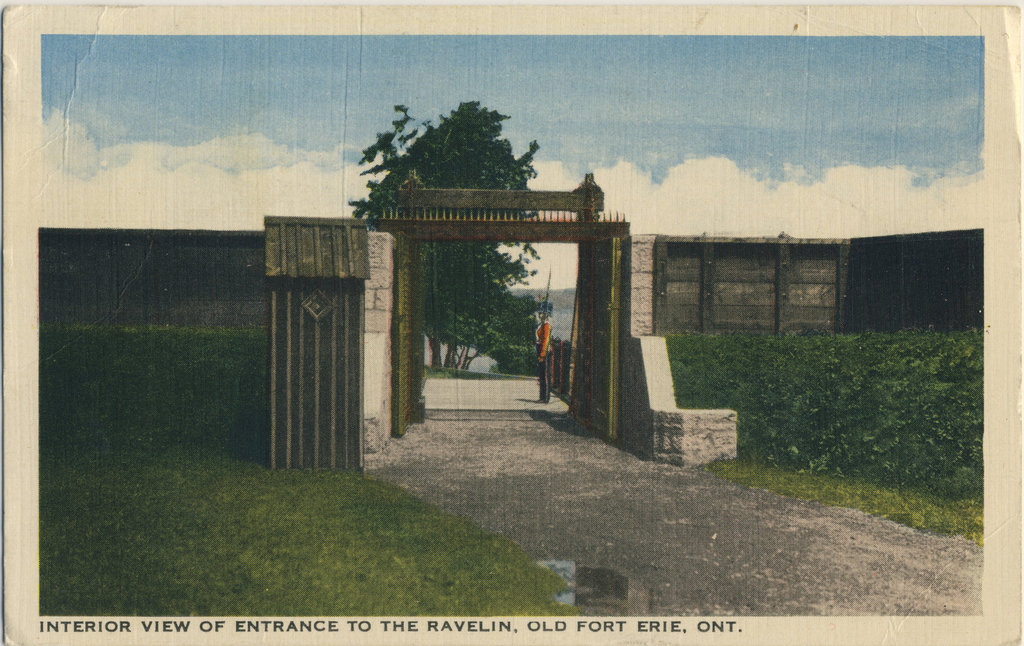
{"x":594,"y":384}
{"x":407,"y":336}
{"x":453,"y":215}
{"x":316,"y":269}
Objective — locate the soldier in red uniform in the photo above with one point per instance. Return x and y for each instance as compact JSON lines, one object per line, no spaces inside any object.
{"x":543,"y":356}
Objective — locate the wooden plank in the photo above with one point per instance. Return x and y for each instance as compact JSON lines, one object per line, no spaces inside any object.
{"x":681,"y":319}
{"x":824,"y":254}
{"x":821,"y":317}
{"x":306,"y":253}
{"x":316,"y":394}
{"x":682,"y":293}
{"x":346,"y":386}
{"x":417,"y":302}
{"x":316,"y":248}
{"x":614,"y":311}
{"x":744,"y":258}
{"x":753,"y":319}
{"x":399,"y":337}
{"x":842,"y":273}
{"x":334,"y":383}
{"x":734,"y":293}
{"x":659,"y":302}
{"x":272,"y":251}
{"x":817,"y":269}
{"x":504,"y":231}
{"x":327,"y":258}
{"x":465,"y":198}
{"x":707,"y":281}
{"x":272,"y":374}
{"x":359,"y":252}
{"x":300,"y":430}
{"x":759,"y":326}
{"x":682,"y":262}
{"x":340,"y":242}
{"x":744,"y":313}
{"x":812,"y":294}
{"x":289,"y":382}
{"x":736,"y":270}
{"x":818,"y":275}
{"x":783,"y":279}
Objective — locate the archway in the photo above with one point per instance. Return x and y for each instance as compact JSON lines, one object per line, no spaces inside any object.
{"x":459,"y":215}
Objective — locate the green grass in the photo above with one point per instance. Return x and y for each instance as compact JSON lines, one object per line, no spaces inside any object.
{"x":189,"y":533}
{"x":917,"y":509}
{"x":452,"y":373}
{"x":151,"y":504}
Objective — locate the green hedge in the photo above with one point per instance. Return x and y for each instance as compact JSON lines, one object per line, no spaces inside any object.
{"x":901,"y":409}
{"x":123,"y":389}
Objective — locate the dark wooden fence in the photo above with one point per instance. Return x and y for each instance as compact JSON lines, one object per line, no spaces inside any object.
{"x":748,"y":285}
{"x":133,"y":277}
{"x":922,"y":281}
{"x":925,"y":281}
{"x":779,"y":286}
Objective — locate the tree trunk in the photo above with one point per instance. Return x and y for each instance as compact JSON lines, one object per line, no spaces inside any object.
{"x":435,"y":351}
{"x":449,"y":357}
{"x":468,"y":360}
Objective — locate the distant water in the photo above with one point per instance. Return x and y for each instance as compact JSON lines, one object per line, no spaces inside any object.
{"x":562,"y":301}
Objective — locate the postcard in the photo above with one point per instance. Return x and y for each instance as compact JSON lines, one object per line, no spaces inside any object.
{"x":512,"y":325}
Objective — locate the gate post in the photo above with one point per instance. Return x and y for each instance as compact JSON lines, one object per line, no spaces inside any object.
{"x":315,"y":274}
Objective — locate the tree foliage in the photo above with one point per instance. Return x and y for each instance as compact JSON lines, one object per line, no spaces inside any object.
{"x":469,"y":307}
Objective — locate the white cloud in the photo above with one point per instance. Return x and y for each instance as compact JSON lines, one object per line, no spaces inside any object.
{"x":228,"y":183}
{"x":232,"y":182}
{"x":715,"y":197}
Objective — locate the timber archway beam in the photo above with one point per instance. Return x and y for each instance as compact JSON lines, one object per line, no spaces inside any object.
{"x":480,"y":215}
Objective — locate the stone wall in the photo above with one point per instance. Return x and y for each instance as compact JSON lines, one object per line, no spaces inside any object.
{"x":635,"y":430}
{"x":377,"y":368}
{"x":676,"y":436}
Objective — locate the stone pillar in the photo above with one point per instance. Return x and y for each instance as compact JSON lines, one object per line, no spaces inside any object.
{"x":642,"y":286}
{"x":377,"y":402}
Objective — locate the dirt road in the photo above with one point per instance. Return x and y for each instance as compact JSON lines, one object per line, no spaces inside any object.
{"x":701,"y":545}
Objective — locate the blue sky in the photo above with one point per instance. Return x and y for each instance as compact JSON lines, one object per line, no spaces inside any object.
{"x":769,"y":104}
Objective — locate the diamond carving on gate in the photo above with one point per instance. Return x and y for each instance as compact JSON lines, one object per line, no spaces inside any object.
{"x":317,"y":304}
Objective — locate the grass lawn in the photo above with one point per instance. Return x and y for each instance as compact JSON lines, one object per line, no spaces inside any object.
{"x":148,"y":505}
{"x":197,"y":533}
{"x":917,"y":509}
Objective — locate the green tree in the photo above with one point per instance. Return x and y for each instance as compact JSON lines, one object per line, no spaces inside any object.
{"x":469,"y":307}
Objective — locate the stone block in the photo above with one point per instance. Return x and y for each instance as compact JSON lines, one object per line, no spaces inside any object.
{"x":694,"y":437}
{"x":643,"y":253}
{"x":378,"y":321}
{"x":382,"y":300}
{"x":377,"y":434}
{"x":381,"y":262}
{"x":642,"y":305}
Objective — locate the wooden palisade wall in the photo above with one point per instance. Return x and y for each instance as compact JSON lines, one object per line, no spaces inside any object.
{"x":748,"y":285}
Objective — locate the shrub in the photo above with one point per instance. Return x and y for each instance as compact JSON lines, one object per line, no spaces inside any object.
{"x":123,"y":389}
{"x":901,"y":409}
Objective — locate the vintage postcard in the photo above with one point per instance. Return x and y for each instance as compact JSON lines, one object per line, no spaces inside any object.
{"x":512,"y":325}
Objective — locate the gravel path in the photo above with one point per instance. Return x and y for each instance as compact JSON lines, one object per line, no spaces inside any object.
{"x":701,"y":545}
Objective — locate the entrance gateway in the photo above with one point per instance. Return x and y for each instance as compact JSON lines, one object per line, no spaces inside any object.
{"x":476,"y":215}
